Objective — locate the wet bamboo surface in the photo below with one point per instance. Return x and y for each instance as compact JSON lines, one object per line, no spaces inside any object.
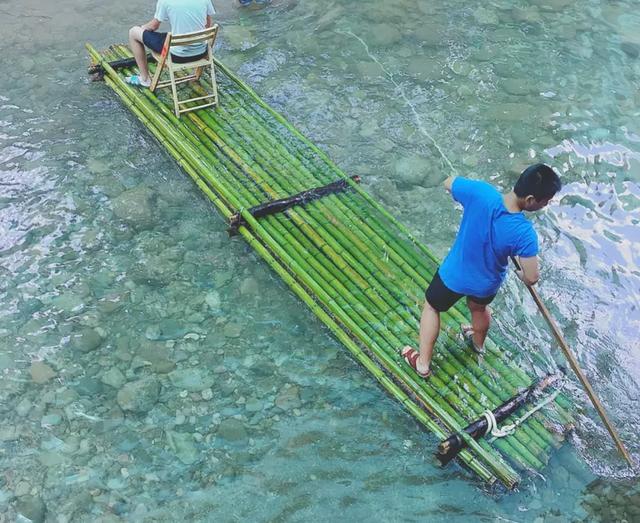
{"x":357,"y":268}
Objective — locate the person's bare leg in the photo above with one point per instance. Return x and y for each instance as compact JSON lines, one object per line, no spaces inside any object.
{"x":429,"y":330}
{"x":480,"y":321}
{"x":139,"y":53}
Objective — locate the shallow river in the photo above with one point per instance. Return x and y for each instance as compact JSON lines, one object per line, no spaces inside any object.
{"x":261,"y":414}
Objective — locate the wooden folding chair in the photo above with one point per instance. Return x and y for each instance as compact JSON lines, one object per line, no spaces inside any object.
{"x":165,"y":61}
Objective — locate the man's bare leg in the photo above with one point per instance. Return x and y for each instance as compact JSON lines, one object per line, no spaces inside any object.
{"x":429,"y":330}
{"x":139,"y":53}
{"x":480,"y":321}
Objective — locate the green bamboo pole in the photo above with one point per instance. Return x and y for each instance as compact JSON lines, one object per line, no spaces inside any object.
{"x":233,"y":145}
{"x":546,"y":432}
{"x":333,"y":240}
{"x":333,"y":231}
{"x":394,"y":390}
{"x":358,"y":239}
{"x":325,"y":158}
{"x":246,"y":217}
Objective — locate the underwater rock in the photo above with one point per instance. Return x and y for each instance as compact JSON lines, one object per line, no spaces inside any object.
{"x":169,"y":329}
{"x":238,"y":37}
{"x":207,"y":394}
{"x":232,"y":330}
{"x":486,"y":16}
{"x":369,"y":69}
{"x":631,"y":49}
{"x":114,"y":378}
{"x":134,"y":206}
{"x":87,"y":340}
{"x":212,"y":299}
{"x":32,"y":508}
{"x":139,"y":396}
{"x":411,"y":171}
{"x":232,"y":430}
{"x":383,"y":35}
{"x":182,"y":444}
{"x":424,"y":68}
{"x":253,"y":405}
{"x":608,"y":500}
{"x":553,"y":5}
{"x":518,"y":87}
{"x":429,"y":34}
{"x":288,"y":398}
{"x":8,"y":433}
{"x":88,"y":387}
{"x":41,"y":372}
{"x":193,"y":380}
{"x":249,"y":286}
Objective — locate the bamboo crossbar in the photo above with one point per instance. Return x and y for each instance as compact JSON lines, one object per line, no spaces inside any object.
{"x":197,"y":98}
{"x":357,"y":268}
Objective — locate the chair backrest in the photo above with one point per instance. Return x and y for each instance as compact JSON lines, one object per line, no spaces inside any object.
{"x":206,"y":35}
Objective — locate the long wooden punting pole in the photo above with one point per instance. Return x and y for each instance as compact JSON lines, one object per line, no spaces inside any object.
{"x":576,"y":368}
{"x":450,"y":447}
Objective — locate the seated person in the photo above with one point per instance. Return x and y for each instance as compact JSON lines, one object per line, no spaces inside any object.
{"x":184,"y":16}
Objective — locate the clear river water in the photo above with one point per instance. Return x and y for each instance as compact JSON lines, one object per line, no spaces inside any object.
{"x":256,"y":413}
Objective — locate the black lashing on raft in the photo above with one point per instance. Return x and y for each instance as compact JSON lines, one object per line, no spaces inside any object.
{"x":449,"y":448}
{"x":277,"y":206}
{"x":97,"y":70}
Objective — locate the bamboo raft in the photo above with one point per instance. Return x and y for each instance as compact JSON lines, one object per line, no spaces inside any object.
{"x":355,"y":266}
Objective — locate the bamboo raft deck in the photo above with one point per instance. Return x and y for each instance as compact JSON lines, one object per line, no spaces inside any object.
{"x":356,"y":267}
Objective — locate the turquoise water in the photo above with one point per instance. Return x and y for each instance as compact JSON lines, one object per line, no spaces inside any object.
{"x":120,"y":286}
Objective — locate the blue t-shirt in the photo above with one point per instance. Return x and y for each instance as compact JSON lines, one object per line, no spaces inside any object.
{"x":477,"y":262}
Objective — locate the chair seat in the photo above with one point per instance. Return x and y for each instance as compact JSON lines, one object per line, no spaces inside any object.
{"x":182,"y":59}
{"x":166,"y":61}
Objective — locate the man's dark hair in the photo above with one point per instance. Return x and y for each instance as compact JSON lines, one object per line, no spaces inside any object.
{"x":539,"y":180}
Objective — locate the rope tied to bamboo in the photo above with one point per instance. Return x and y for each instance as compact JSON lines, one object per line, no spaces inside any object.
{"x":508,"y":430}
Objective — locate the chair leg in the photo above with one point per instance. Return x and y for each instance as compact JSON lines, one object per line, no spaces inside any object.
{"x":174,"y":91}
{"x":156,"y":77}
{"x":214,"y":84}
{"x":198,"y":72}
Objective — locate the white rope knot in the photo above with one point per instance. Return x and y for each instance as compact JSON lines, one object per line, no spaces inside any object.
{"x":507,"y":430}
{"x":492,"y":426}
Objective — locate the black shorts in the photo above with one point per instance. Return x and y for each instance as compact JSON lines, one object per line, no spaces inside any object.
{"x":442,"y":298}
{"x":155,"y":41}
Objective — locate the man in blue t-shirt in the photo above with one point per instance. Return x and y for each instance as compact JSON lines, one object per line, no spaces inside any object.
{"x":184,"y":16}
{"x":493,"y":229}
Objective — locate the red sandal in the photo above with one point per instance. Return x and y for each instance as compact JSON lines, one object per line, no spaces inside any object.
{"x":411,"y":357}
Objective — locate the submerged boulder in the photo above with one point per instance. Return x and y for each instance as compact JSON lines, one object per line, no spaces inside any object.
{"x":139,"y":396}
{"x":134,"y":206}
{"x":193,"y":380}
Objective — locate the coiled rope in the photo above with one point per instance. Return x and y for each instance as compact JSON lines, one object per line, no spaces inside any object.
{"x":507,"y":430}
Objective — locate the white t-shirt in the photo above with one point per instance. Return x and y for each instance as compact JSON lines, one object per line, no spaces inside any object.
{"x":185,"y":16}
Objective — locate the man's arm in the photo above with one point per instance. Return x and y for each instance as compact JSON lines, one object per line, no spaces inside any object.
{"x":448,"y":183}
{"x":529,"y":271}
{"x":151,"y":25}
{"x":208,"y":22}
